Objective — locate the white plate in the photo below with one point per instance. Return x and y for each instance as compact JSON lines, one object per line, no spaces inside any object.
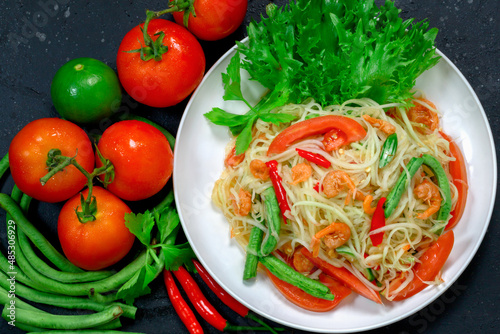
{"x":198,"y":162}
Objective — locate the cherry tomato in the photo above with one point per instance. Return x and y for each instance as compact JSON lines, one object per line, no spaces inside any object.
{"x":459,"y":174}
{"x":28,"y":158}
{"x":165,"y":82}
{"x":352,"y":130}
{"x":95,"y":244}
{"x":141,"y":156}
{"x":85,"y":90}
{"x":428,"y":267}
{"x":214,"y":19}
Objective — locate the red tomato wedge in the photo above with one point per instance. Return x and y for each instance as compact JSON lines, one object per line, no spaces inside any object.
{"x":316,"y":126}
{"x":459,"y":174}
{"x":431,"y":263}
{"x":344,"y":276}
{"x":305,"y":300}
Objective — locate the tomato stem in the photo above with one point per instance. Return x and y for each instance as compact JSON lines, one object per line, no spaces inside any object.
{"x":57,"y":162}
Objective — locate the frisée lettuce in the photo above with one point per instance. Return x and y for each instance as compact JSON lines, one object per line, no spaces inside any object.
{"x":331,"y":51}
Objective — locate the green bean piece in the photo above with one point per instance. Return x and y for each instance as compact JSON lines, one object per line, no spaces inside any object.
{"x":9,"y":298}
{"x":13,"y":209}
{"x":82,"y":289}
{"x":286,"y":273}
{"x":401,"y":184}
{"x":388,"y":150}
{"x":61,"y":276}
{"x":27,"y":328}
{"x":67,"y":302}
{"x":16,"y":273}
{"x":273,"y":213}
{"x":443,"y":184}
{"x":4,"y":164}
{"x":52,"y":321}
{"x":168,"y":135}
{"x":252,"y":257}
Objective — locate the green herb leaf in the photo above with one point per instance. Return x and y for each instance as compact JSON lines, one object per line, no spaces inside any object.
{"x":134,"y":287}
{"x":140,"y":225}
{"x":176,"y":256}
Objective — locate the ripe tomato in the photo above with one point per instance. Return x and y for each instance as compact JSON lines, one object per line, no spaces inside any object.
{"x":85,"y":90}
{"x":95,"y":244}
{"x":28,"y":158}
{"x":352,"y":130}
{"x":214,"y":19}
{"x":141,"y":156}
{"x":165,"y":82}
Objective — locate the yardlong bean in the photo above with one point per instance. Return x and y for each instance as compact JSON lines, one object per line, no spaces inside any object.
{"x":68,"y":302}
{"x":14,"y":210}
{"x":52,"y":321}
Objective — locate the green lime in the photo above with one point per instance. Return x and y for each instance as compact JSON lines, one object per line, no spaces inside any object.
{"x":85,"y":90}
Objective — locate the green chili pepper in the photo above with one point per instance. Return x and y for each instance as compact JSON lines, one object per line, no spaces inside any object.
{"x":286,"y":273}
{"x":388,"y":150}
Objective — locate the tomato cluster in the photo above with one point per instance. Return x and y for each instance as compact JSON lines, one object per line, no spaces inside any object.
{"x":137,"y":156}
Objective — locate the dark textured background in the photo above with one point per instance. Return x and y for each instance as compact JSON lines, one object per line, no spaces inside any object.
{"x":35,"y":40}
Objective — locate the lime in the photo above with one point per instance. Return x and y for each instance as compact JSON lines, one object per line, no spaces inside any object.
{"x":85,"y":90}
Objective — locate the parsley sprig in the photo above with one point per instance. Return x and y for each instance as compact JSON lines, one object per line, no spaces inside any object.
{"x":162,"y":251}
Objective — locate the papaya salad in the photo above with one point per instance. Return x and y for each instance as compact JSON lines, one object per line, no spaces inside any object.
{"x":340,"y":179}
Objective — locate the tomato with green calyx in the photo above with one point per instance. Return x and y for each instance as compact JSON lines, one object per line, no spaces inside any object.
{"x":161,"y":65}
{"x":85,"y":90}
{"x":29,"y":159}
{"x":98,"y":243}
{"x":141,"y":156}
{"x":211,"y":20}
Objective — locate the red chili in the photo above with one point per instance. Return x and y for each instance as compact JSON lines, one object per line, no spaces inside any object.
{"x":181,"y":307}
{"x":278,"y":187}
{"x":378,"y":221}
{"x":226,"y":298}
{"x":318,"y":159}
{"x":199,"y":301}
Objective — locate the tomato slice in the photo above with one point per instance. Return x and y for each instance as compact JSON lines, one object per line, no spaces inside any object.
{"x":459,"y":174}
{"x":431,"y":263}
{"x":305,"y":300}
{"x":315,"y":126}
{"x":344,"y":276}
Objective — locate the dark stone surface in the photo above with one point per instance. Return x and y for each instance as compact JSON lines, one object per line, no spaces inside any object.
{"x":35,"y":40}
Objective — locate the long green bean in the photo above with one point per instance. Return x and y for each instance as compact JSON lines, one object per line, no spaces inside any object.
{"x":273,"y":221}
{"x":13,"y":209}
{"x":284,"y":272}
{"x":252,"y":257}
{"x":4,"y":164}
{"x":68,"y":302}
{"x":53,"y":321}
{"x":7,"y":297}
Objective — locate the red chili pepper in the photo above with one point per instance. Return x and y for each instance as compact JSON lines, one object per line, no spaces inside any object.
{"x":278,"y":187}
{"x":378,"y":221}
{"x":318,"y":159}
{"x":203,"y":306}
{"x":226,"y":298}
{"x":181,"y":307}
